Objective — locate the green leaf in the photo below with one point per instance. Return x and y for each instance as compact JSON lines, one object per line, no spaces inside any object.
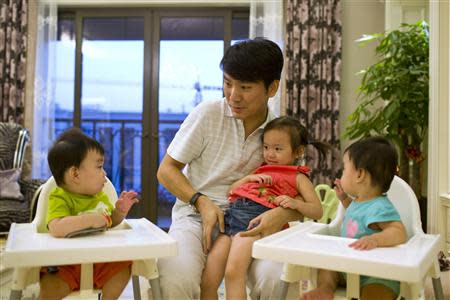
{"x":394,"y":92}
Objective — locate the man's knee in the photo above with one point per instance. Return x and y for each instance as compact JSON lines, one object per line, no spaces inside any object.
{"x":178,"y":280}
{"x":264,"y":280}
{"x":180,"y":287}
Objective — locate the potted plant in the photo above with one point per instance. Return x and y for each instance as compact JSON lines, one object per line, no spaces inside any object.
{"x":393,"y":99}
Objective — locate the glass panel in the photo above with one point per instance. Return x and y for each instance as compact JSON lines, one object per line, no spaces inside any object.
{"x":189,"y":73}
{"x":65,"y":75}
{"x":239,"y":28}
{"x":112,"y":97}
{"x":191,"y":28}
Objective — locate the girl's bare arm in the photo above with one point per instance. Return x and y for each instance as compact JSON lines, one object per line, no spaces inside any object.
{"x":311,"y":207}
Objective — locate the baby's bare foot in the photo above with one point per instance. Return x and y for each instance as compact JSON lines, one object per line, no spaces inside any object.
{"x":318,"y":294}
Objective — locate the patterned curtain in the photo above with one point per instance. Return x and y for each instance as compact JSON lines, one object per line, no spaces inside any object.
{"x":313,"y":70}
{"x":13,"y":48}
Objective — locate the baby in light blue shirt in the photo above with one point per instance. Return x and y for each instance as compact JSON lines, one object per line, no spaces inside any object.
{"x":369,"y":168}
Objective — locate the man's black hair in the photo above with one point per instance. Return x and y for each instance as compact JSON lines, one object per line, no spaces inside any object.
{"x":253,"y":60}
{"x":377,"y":156}
{"x":69,"y":150}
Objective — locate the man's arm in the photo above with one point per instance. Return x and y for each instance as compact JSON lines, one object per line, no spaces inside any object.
{"x":170,"y":176}
{"x":271,"y":221}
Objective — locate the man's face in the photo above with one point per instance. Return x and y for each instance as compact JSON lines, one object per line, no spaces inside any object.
{"x":247,"y":100}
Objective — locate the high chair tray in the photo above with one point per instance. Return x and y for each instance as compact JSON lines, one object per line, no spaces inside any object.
{"x":304,"y":245}
{"x":135,"y":239}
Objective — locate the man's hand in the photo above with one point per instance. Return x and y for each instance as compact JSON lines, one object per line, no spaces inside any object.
{"x":211,"y":214}
{"x":268,"y":222}
{"x":125,"y":202}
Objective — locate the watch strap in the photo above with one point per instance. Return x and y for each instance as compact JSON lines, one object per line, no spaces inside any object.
{"x":194,"y":199}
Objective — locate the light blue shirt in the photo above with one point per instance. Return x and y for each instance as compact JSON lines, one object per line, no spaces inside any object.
{"x":359,"y":215}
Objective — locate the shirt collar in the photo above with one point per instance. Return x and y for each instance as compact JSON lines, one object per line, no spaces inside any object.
{"x":270,"y":114}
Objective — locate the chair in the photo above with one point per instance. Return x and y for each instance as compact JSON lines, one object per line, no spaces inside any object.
{"x":146,"y":268}
{"x":405,"y":201}
{"x":330,"y":203}
{"x":14,"y":204}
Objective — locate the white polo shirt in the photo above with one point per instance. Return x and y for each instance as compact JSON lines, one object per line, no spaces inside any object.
{"x":211,"y":142}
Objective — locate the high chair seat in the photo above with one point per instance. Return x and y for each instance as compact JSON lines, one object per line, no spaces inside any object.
{"x":310,"y":246}
{"x":30,"y":246}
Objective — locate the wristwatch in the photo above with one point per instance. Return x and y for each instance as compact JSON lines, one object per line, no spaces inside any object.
{"x":194,"y":199}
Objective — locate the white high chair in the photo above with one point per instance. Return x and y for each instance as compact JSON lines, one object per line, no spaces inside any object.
{"x":137,"y":250}
{"x":414,"y":260}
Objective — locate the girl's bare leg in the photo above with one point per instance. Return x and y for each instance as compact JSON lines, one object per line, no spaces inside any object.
{"x":238,"y":262}
{"x":215,"y":267}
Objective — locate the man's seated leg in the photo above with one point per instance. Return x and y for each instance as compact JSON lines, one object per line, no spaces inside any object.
{"x":264,"y":280}
{"x":180,"y":276}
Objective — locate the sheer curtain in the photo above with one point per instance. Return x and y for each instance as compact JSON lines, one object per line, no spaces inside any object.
{"x":44,"y":93}
{"x":266,"y":20}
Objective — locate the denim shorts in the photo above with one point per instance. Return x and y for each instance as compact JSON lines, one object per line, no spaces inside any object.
{"x":240,"y":213}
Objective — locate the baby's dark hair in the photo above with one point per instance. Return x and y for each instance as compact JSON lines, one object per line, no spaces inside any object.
{"x":69,"y":150}
{"x":377,"y":156}
{"x":297,"y":133}
{"x":253,"y":60}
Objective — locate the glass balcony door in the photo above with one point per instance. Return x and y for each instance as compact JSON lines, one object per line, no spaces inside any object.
{"x":129,"y":77}
{"x":111,"y":94}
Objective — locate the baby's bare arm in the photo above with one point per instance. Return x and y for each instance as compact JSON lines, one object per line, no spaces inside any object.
{"x":391,"y":234}
{"x":60,"y":227}
{"x":123,"y":206}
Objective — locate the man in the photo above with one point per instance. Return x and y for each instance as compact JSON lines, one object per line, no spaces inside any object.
{"x":220,"y":142}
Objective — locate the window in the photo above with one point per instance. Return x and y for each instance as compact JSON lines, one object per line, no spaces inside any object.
{"x":131,"y":76}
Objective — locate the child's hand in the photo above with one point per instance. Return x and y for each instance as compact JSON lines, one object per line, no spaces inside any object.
{"x":125,"y":202}
{"x":260,"y":178}
{"x":339,"y":191}
{"x":286,"y":202}
{"x":365,"y":243}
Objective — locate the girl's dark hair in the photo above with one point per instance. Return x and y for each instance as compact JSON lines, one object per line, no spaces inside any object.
{"x":69,"y":150}
{"x":253,"y":60}
{"x":377,"y":156}
{"x":297,"y":133}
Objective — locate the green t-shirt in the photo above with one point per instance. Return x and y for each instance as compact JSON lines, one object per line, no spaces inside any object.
{"x":62,"y":203}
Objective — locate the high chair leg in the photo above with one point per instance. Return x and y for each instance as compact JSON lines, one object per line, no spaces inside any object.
{"x":436,"y":280}
{"x":156,"y":288}
{"x":15,"y":295}
{"x":18,"y":283}
{"x":136,"y":287}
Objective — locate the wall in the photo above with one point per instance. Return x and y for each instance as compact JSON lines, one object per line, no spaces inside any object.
{"x":358,"y":17}
{"x":439,"y":132}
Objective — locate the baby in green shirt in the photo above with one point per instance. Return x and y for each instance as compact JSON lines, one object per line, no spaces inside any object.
{"x":78,"y":203}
